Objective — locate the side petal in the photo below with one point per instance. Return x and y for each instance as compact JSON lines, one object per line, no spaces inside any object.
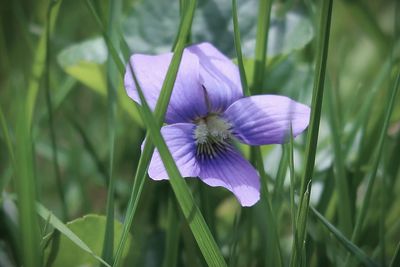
{"x":266,"y":119}
{"x":181,"y":144}
{"x":187,"y":100}
{"x":220,"y":76}
{"x":232,"y":171}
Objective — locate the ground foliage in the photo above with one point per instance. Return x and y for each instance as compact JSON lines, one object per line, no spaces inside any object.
{"x":70,"y":139}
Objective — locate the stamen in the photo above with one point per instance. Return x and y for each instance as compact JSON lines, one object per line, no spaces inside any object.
{"x":213,"y":136}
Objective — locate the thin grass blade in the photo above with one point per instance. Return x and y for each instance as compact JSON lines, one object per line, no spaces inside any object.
{"x":25,"y":185}
{"x":344,"y":205}
{"x":396,"y":257}
{"x":264,"y":17}
{"x":115,"y":10}
{"x":173,"y":234}
{"x":6,"y":136}
{"x":316,"y":106}
{"x":273,"y":255}
{"x":49,"y":105}
{"x":292,"y":189}
{"x":353,"y":249}
{"x":39,"y":62}
{"x":160,"y":110}
{"x":372,"y":175}
{"x":195,"y":219}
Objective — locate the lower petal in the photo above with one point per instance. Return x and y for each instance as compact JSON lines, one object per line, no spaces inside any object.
{"x":232,"y":171}
{"x":266,"y":119}
{"x":181,"y":144}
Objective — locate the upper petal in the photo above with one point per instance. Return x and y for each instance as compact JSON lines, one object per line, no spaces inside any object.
{"x":187,"y":100}
{"x":232,"y":171}
{"x":180,"y":141}
{"x":220,"y":76}
{"x":266,"y":119}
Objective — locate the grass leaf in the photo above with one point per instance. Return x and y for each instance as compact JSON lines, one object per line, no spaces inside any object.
{"x":316,"y":106}
{"x":353,"y":249}
{"x":160,"y":110}
{"x":25,"y":184}
{"x":195,"y":219}
{"x":372,"y":175}
{"x":273,"y":253}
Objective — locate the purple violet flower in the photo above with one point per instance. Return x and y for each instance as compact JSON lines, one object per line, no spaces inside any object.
{"x":207,"y":112}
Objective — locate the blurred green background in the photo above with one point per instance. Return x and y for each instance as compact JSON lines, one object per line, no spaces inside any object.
{"x":364,"y":52}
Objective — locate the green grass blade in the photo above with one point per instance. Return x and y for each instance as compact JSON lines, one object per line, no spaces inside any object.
{"x":53,"y":137}
{"x":344,"y":205}
{"x":372,"y":175}
{"x":160,"y":110}
{"x":238,"y":49}
{"x":396,"y":257}
{"x":235,"y":239}
{"x":25,"y":185}
{"x":202,"y":234}
{"x":60,"y":226}
{"x":381,"y":141}
{"x":137,"y":188}
{"x":90,"y":148}
{"x":111,"y":48}
{"x":264,"y":16}
{"x":172,"y":234}
{"x":6,"y":136}
{"x":39,"y":63}
{"x":273,"y":255}
{"x":316,"y":106}
{"x":59,"y":97}
{"x":362,"y":13}
{"x":363,"y":113}
{"x":297,"y":258}
{"x":292,"y":189}
{"x":115,"y":10}
{"x":10,"y":148}
{"x":353,"y":249}
{"x":280,"y":178}
{"x":383,"y":191}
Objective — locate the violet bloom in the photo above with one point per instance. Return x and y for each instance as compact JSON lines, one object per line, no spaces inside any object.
{"x":207,"y":112}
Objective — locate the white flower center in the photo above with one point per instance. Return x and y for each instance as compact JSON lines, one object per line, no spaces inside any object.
{"x":212,"y":135}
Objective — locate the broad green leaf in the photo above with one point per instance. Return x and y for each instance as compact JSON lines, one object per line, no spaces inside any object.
{"x":288,"y":33}
{"x":89,"y":230}
{"x":86,"y":62}
{"x":213,"y":23}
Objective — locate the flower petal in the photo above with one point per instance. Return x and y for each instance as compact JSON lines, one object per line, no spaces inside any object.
{"x":220,"y":76}
{"x":232,"y":171}
{"x":187,"y":100}
{"x":266,"y":119}
{"x":181,"y":144}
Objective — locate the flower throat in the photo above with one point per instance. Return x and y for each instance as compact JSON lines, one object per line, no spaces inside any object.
{"x":212,"y":136}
